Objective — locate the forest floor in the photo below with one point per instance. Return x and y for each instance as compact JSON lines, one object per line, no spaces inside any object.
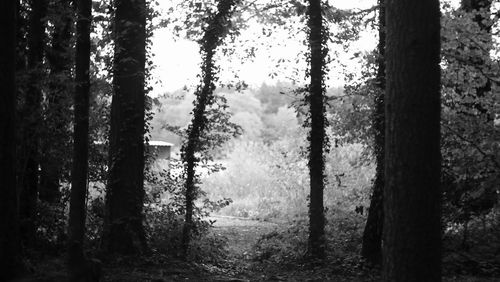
{"x":239,"y":265}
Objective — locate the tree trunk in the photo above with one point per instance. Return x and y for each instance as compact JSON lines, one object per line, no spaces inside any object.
{"x":412,"y":196}
{"x":317,"y":136}
{"x":212,"y":38}
{"x":371,"y":248}
{"x":9,"y":221}
{"x":123,"y":226}
{"x":77,"y":211}
{"x":57,"y":115}
{"x":31,"y":123}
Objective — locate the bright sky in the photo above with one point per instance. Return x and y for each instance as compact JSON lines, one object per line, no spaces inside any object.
{"x":177,"y":61}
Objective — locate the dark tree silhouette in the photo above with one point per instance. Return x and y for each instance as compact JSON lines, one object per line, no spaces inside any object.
{"x":123,"y":227}
{"x":31,"y":120}
{"x":76,"y":228}
{"x":212,"y":38}
{"x":9,"y":221}
{"x":317,"y":136}
{"x":371,"y":248}
{"x":57,"y":113}
{"x":412,"y":205}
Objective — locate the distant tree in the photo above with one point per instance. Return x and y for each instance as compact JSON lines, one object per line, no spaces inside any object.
{"x":317,"y":136}
{"x":123,"y":224}
{"x":412,"y":205}
{"x":31,"y":113}
{"x":9,"y":220}
{"x":371,"y":248}
{"x":56,"y":135}
{"x":213,"y":36}
{"x":79,"y":172}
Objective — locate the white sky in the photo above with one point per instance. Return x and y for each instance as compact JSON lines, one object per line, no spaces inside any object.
{"x":177,"y":60}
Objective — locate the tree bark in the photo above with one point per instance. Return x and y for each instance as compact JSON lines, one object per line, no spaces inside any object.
{"x":371,"y":248}
{"x":123,"y":225}
{"x":79,"y":171}
{"x":31,"y":120}
{"x":317,"y":136}
{"x":9,"y":220}
{"x":412,"y":196}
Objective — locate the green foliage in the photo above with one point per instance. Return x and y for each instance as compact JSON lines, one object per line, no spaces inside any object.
{"x":289,"y":244}
{"x":94,"y":220}
{"x":473,"y":249}
{"x":164,"y":217}
{"x":269,"y":181}
{"x":51,"y":228}
{"x":470,"y":136}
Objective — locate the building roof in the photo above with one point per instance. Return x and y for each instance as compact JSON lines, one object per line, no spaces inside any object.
{"x":160,"y":143}
{"x":151,"y":143}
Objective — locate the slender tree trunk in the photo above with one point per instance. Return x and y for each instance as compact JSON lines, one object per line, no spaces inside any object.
{"x":9,"y":221}
{"x":31,"y":122}
{"x":211,"y":40}
{"x":54,"y":145}
{"x":317,"y":136}
{"x":371,"y":248}
{"x":412,"y":196}
{"x":123,"y":226}
{"x":79,"y":171}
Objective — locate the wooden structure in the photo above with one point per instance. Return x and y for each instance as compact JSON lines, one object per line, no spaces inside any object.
{"x":160,"y":149}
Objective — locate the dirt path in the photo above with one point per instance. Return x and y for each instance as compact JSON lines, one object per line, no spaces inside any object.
{"x":242,"y":233}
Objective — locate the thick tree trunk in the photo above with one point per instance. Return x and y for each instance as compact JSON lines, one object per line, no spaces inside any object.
{"x":371,"y":248}
{"x":123,"y":226}
{"x":212,"y":38}
{"x":317,"y":136}
{"x":412,"y":205}
{"x":77,"y":211}
{"x":31,"y":123}
{"x":57,"y":114}
{"x":9,"y":221}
